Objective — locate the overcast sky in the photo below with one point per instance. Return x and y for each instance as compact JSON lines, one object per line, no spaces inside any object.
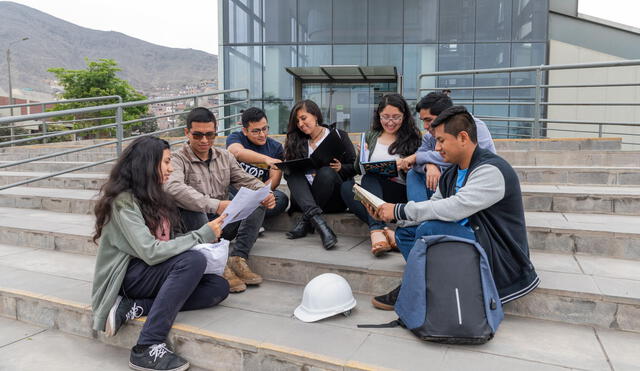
{"x":194,"y":23}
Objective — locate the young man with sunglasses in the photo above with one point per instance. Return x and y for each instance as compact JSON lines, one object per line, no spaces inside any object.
{"x":258,"y":154}
{"x":200,"y":184}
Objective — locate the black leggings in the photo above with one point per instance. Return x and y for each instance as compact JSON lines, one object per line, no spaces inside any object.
{"x":323,"y":195}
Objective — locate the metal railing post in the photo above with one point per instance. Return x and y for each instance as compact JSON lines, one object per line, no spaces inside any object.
{"x":599,"y":130}
{"x":535,"y":133}
{"x":195,"y":102}
{"x":44,"y":124}
{"x":119,"y":131}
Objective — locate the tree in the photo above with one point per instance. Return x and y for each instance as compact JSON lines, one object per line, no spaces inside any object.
{"x":98,"y":80}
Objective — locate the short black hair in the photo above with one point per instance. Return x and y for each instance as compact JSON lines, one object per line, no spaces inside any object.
{"x":455,"y":120}
{"x":252,"y":114}
{"x":200,"y":114}
{"x":435,"y":103}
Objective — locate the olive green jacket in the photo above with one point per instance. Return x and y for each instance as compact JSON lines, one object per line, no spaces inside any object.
{"x":127,"y":236}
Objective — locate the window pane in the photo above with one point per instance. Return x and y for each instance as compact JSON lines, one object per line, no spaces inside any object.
{"x":243,"y":69}
{"x":280,"y":21}
{"x":492,"y":56}
{"x":530,"y":20}
{"x":314,"y":55}
{"x":350,"y":54}
{"x":315,"y":21}
{"x":457,"y":20}
{"x":278,"y":115}
{"x":493,"y":20}
{"x":385,"y":21}
{"x":420,"y":21}
{"x":386,"y":55}
{"x":526,"y":54}
{"x":453,"y":57}
{"x":350,"y":21}
{"x":418,"y":59}
{"x":278,"y":83}
{"x":521,"y":129}
{"x":242,"y":21}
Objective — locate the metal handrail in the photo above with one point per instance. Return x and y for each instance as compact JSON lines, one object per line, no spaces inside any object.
{"x":118,"y":124}
{"x":52,"y":102}
{"x":540,"y":99}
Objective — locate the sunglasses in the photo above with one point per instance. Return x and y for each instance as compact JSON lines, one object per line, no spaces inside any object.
{"x":198,"y":135}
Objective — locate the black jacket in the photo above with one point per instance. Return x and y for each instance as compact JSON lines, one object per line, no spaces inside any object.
{"x":500,"y":229}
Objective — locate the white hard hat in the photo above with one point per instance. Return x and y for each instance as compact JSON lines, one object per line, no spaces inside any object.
{"x":324,"y":296}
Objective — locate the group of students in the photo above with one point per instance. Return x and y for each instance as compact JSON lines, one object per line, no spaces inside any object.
{"x":156,"y":205}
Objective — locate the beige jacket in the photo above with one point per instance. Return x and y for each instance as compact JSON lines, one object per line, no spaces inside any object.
{"x":198,"y":187}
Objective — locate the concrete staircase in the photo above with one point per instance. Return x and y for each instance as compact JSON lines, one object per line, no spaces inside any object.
{"x":581,"y":198}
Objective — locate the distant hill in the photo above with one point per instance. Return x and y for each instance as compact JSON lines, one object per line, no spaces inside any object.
{"x":57,"y":43}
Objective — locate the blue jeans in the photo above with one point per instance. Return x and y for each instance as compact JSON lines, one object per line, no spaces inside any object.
{"x":416,"y":187}
{"x":407,"y":236}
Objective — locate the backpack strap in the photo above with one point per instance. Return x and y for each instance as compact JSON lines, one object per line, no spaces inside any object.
{"x":394,"y":323}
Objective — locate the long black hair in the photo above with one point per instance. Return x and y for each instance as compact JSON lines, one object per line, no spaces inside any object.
{"x":137,"y":171}
{"x":408,"y":137}
{"x":295,"y":144}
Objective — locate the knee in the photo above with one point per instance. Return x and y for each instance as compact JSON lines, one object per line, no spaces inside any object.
{"x":218,"y":289}
{"x":326,"y":172}
{"x":428,"y":228}
{"x":193,"y":261}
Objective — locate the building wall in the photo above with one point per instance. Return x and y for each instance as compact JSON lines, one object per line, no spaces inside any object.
{"x":567,"y":52}
{"x":261,"y":37}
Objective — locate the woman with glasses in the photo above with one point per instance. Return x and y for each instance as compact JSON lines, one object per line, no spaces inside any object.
{"x":318,"y":191}
{"x":393,"y":136}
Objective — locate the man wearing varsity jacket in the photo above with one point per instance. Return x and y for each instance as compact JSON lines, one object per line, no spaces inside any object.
{"x":477,"y":198}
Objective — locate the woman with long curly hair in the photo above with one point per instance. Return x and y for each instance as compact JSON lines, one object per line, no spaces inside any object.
{"x":393,"y":136}
{"x":318,"y":191}
{"x":141,"y":267}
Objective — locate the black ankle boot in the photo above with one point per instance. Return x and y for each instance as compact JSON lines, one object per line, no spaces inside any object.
{"x":329,"y":239}
{"x":300,"y":230}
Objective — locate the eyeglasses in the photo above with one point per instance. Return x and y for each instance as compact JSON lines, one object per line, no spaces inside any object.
{"x":396,"y":118}
{"x":198,"y":135}
{"x":258,"y":131}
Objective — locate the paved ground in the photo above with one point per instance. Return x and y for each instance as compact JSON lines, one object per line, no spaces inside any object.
{"x":25,"y":347}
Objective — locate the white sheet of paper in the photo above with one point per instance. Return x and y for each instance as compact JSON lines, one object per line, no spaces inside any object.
{"x":244,"y":203}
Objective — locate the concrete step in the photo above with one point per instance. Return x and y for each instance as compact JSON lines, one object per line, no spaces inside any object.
{"x":53,"y":166}
{"x":25,"y":347}
{"x":77,"y":201}
{"x":256,"y":329}
{"x":579,"y":175}
{"x":65,"y":181}
{"x":536,"y":197}
{"x":572,"y":158}
{"x":614,"y":236}
{"x":581,"y":199}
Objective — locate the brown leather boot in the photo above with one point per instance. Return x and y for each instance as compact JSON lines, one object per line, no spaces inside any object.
{"x":240,"y":267}
{"x":235,"y":283}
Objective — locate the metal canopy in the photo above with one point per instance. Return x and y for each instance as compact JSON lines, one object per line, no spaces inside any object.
{"x":344,"y":72}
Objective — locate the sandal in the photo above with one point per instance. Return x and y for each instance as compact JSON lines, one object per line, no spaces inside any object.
{"x":379,"y":243}
{"x":391,"y":239}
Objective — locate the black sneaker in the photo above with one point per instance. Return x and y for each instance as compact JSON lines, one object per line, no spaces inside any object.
{"x":123,"y":309}
{"x":386,"y":301}
{"x":157,"y":357}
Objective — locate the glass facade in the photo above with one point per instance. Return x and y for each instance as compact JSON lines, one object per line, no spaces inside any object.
{"x":260,"y":38}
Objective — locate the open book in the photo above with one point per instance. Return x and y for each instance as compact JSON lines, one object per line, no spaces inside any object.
{"x":384,"y":168}
{"x":366,"y":197}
